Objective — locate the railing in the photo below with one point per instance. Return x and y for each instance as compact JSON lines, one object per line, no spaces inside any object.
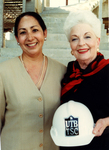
{"x":75,"y":1}
{"x":66,"y":2}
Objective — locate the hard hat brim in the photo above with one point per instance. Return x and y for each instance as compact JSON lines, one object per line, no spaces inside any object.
{"x":73,"y":141}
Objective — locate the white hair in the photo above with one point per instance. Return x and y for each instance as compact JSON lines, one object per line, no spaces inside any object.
{"x":82,"y":16}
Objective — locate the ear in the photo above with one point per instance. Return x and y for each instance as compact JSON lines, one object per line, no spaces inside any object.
{"x":45,"y":33}
{"x":17,"y":39}
{"x":98,"y":42}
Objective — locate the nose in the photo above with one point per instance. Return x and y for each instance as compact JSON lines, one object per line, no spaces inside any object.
{"x":30,"y":36}
{"x":81,"y":41}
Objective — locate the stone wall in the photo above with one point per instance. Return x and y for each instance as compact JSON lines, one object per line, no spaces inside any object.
{"x":1,"y":23}
{"x":30,"y":5}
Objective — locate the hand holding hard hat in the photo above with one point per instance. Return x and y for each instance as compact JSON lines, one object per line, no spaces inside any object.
{"x":72,"y":125}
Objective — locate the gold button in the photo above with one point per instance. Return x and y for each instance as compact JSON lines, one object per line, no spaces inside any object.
{"x":40,"y":115}
{"x":41,"y":145}
{"x":40,"y":99}
{"x":41,"y":131}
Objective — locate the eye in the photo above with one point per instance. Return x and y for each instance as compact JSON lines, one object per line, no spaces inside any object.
{"x":88,"y":37}
{"x":74,"y":39}
{"x":35,"y":30}
{"x":23,"y":32}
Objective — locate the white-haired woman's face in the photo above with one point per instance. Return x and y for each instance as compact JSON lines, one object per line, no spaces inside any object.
{"x":84,"y":43}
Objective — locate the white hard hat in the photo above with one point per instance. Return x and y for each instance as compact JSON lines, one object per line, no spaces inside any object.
{"x":72,"y":125}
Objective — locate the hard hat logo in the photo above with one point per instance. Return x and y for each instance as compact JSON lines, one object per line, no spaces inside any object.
{"x":71,"y":126}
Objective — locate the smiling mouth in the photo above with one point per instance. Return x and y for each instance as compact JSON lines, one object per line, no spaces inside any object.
{"x":83,"y":50}
{"x":30,"y":45}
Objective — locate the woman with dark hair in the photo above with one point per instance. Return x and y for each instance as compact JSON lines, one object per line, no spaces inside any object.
{"x":29,"y":89}
{"x":87,"y":78}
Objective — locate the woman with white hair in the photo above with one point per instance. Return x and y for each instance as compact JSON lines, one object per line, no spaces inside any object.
{"x":87,"y":78}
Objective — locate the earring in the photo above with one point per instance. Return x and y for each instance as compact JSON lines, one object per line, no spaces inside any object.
{"x":17,"y":43}
{"x":45,"y":39}
{"x":72,"y":52}
{"x":97,"y":49}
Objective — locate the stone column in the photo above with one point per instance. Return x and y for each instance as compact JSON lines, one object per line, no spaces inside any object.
{"x":24,"y":6}
{"x":43,"y":5}
{"x":47,"y":3}
{"x":1,"y":23}
{"x":66,"y":2}
{"x":100,"y":10}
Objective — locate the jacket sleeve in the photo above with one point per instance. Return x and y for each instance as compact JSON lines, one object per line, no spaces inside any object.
{"x":2,"y":104}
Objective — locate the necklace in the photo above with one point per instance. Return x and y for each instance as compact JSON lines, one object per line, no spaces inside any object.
{"x":41,"y":74}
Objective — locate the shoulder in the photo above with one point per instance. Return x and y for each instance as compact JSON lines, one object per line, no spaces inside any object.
{"x":105,"y":71}
{"x":70,"y":66}
{"x":6,"y":65}
{"x":104,"y":65}
{"x":56,"y":64}
{"x":51,"y":60}
{"x":9,"y":61}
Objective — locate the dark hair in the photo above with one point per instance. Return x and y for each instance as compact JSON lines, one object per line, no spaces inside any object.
{"x":33,"y":14}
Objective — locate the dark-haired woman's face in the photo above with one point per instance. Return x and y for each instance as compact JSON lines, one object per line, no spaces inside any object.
{"x":30,"y":35}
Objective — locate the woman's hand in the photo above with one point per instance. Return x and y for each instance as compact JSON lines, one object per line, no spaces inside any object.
{"x":100,"y":126}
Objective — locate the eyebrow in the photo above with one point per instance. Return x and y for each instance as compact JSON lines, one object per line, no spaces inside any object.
{"x":87,"y":33}
{"x":84,"y":34}
{"x":74,"y":35}
{"x":30,"y":27}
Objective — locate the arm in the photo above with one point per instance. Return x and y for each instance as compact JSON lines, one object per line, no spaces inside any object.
{"x":102,"y":123}
{"x":2,"y":104}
